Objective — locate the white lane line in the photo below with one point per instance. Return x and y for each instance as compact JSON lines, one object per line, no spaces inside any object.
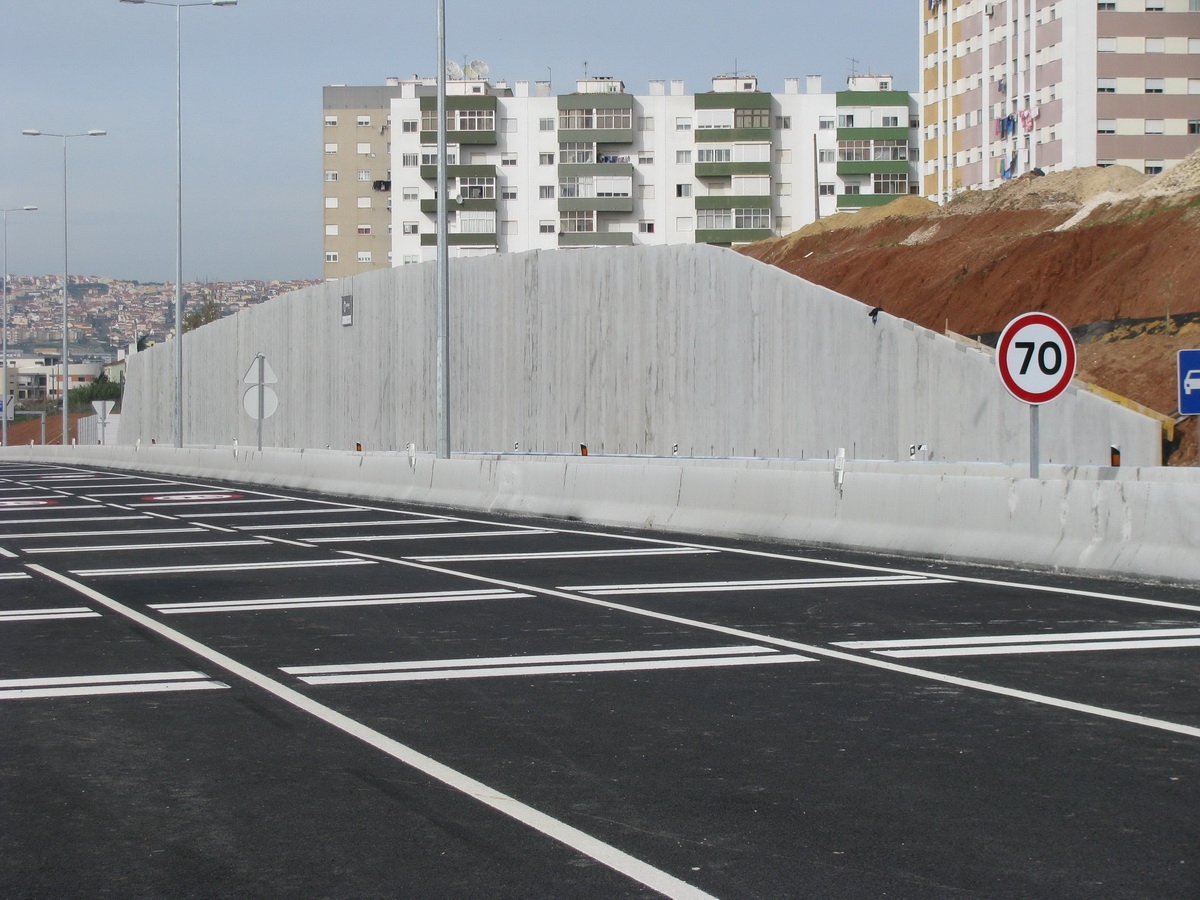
{"x":606,"y":854}
{"x":36,"y":615}
{"x":13,"y":576}
{"x":283,"y":512}
{"x":1075,"y":646}
{"x":51,"y":506}
{"x":239,"y":502}
{"x":47,"y":520}
{"x":576,"y":669}
{"x":825,"y":652}
{"x":565,"y":554}
{"x":344,"y":600}
{"x":1040,"y":638}
{"x":112,"y":532}
{"x":92,"y":685}
{"x":8,"y":554}
{"x":775,"y":584}
{"x":145,"y":488}
{"x":431,"y":536}
{"x":420,"y":665}
{"x":220,"y":567}
{"x":292,"y":525}
{"x":178,"y":545}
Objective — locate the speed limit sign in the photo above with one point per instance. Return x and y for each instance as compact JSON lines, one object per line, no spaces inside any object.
{"x":1036,"y":357}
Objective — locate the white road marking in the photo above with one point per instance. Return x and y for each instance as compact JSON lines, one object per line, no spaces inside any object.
{"x":180,"y":545}
{"x":35,"y":615}
{"x":223,"y":502}
{"x":343,"y":600}
{"x":13,"y":576}
{"x":431,"y":536}
{"x":775,"y":584}
{"x":1039,"y":638}
{"x":91,"y":685}
{"x":1075,"y":646}
{"x":291,"y":525}
{"x":8,"y":554}
{"x":219,"y":567}
{"x":607,"y":855}
{"x":565,"y":554}
{"x":112,"y":532}
{"x":825,"y":652}
{"x":280,"y":512}
{"x":50,"y":520}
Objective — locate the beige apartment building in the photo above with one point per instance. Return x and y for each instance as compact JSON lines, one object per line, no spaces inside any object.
{"x":1017,"y":85}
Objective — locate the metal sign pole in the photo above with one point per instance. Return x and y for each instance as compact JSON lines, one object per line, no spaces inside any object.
{"x":1034,"y":440}
{"x":262,"y":360}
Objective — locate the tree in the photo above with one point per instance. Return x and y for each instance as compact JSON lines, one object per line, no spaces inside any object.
{"x":100,"y":389}
{"x":209,"y":311}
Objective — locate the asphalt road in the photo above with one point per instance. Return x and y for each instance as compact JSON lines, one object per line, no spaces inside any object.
{"x":215,"y":691}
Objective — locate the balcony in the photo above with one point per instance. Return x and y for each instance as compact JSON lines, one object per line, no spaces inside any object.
{"x":595,"y":239}
{"x":458,"y":239}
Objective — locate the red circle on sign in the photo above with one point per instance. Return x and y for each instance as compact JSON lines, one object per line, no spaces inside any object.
{"x":1036,"y":357}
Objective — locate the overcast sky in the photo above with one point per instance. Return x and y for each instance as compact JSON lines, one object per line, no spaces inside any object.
{"x":252,"y":79}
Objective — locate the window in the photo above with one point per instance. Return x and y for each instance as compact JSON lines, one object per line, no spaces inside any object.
{"x":614,"y":118}
{"x":331,"y":175}
{"x":546,"y":226}
{"x":752,"y":118}
{"x":709,"y":219}
{"x":846,"y":120}
{"x":646,"y":158}
{"x":364,"y":229}
{"x":546,"y":124}
{"x":477,"y":187}
{"x":331,"y":202}
{"x":1107,"y":6}
{"x":826,"y":123}
{"x":827,"y":190}
{"x":1106,"y":126}
{"x":330,"y":149}
{"x":645,"y":226}
{"x":683,"y":190}
{"x":1154,"y":126}
{"x":508,"y":192}
{"x":409,"y":126}
{"x":576,"y":119}
{"x":409,"y":228}
{"x":889,"y":151}
{"x":1154,"y":5}
{"x":473,"y":119}
{"x":331,"y":256}
{"x":364,"y":202}
{"x":409,"y":159}
{"x":890,"y":183}
{"x":508,"y":159}
{"x":1194,"y":86}
{"x":545,"y":159}
{"x":891,"y":121}
{"x":1106,"y":45}
{"x":1105,"y":163}
{"x":508,"y":126}
{"x":410,"y":259}
{"x":1156,"y":45}
{"x":364,"y":174}
{"x":577,"y":221}
{"x":1106,"y":85}
{"x":364,"y":256}
{"x":854,"y":151}
{"x":752,"y":153}
{"x":783,"y":123}
{"x":471,"y":221}
{"x":1154,"y":85}
{"x":330,"y":121}
{"x":683,"y":157}
{"x":331,"y":231}
{"x":409,"y":193}
{"x":683,"y":123}
{"x":645,"y":192}
{"x":645,"y":123}
{"x":853,"y":189}
{"x":1193,"y":45}
{"x":508,"y":226}
{"x":363,"y":148}
{"x":1153,"y":167}
{"x":714,"y":154}
{"x":546,"y":192}
{"x":363,"y":120}
{"x":751,"y":186}
{"x":576,"y":152}
{"x":783,"y":156}
{"x":1193,"y":126}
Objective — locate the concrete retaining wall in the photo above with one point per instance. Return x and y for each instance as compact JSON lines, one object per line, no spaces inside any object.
{"x":627,"y":350}
{"x":1142,"y":523}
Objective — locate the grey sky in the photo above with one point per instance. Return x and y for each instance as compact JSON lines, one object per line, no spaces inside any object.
{"x":252,"y":79}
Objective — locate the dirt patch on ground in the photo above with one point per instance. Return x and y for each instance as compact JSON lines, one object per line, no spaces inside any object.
{"x":1087,"y":245}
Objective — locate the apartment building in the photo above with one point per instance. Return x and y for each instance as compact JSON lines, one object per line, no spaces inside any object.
{"x":1017,"y":85}
{"x":529,"y":169}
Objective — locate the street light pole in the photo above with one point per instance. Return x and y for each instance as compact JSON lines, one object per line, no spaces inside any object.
{"x":66,"y":382}
{"x":4,"y":353}
{"x":177,"y":427}
{"x":443,"y":254}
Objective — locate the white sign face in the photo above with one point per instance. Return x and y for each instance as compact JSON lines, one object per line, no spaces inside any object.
{"x":1036,"y":357}
{"x":103,"y":407}
{"x":268,"y":373}
{"x":250,"y":402}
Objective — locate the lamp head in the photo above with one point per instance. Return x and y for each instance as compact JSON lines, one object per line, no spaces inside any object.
{"x":96,"y":132}
{"x":30,"y":131}
{"x":224,"y":2}
{"x":133,"y":1}
{"x":28,"y":208}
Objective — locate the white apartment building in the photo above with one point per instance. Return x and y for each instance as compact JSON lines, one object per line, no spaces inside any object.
{"x":528,"y":169}
{"x":1016,"y":85}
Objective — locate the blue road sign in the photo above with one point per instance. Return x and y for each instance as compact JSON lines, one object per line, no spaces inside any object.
{"x":1189,"y":382}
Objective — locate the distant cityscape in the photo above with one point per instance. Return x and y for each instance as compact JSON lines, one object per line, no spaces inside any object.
{"x":107,"y":315}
